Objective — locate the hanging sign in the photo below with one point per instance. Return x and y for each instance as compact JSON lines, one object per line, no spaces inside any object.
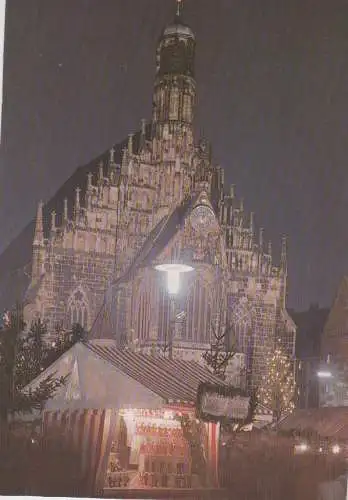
{"x":216,"y":403}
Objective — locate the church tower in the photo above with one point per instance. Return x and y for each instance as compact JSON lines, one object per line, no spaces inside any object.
{"x":175,"y":86}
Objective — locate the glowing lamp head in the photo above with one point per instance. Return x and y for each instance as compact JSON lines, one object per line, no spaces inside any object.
{"x":324,"y":374}
{"x":173,"y":275}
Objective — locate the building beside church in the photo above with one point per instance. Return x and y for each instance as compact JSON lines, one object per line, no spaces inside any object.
{"x":334,"y":351}
{"x":161,"y":199}
{"x":309,"y":329}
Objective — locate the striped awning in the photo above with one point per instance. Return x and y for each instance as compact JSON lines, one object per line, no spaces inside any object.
{"x":173,"y":380}
{"x":88,"y":433}
{"x":327,"y":422}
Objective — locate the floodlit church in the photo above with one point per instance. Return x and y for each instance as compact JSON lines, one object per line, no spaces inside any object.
{"x":160,"y":199}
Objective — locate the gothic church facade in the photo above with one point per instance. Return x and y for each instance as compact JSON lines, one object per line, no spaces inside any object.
{"x":162,"y":200}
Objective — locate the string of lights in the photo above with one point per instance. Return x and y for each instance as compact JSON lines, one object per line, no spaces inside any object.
{"x":278,"y":388}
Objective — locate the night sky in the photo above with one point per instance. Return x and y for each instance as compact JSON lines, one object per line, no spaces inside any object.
{"x":272,"y":82}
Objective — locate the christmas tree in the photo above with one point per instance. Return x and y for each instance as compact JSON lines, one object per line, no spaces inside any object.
{"x":277,"y":391}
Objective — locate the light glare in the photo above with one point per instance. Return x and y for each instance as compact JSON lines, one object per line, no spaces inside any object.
{"x":324,"y":374}
{"x":173,"y":275}
{"x":301,"y":448}
{"x":173,"y":282}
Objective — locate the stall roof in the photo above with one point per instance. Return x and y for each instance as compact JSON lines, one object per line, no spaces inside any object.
{"x":330,"y":422}
{"x":174,"y":380}
{"x":97,"y":363}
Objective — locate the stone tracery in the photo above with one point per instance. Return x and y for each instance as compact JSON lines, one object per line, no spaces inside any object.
{"x":77,"y":310}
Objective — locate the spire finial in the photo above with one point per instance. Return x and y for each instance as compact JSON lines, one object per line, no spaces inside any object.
{"x":252,"y":217}
{"x":283,"y":257}
{"x":270,"y":248}
{"x":261,"y":239}
{"x":130,"y":143}
{"x":143,"y":126}
{"x":101,"y":171}
{"x":89,"y":180}
{"x":53,"y":221}
{"x":39,"y":232}
{"x":179,"y":5}
{"x":112,"y":155}
{"x":65,"y":209}
{"x":124,"y":160}
{"x":77,"y":198}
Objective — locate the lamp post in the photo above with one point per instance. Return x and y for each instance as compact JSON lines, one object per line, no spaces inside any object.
{"x":173,"y":271}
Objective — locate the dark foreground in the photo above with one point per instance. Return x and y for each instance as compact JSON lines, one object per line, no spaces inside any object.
{"x":159,"y":493}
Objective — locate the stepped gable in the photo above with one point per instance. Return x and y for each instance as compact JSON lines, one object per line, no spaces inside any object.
{"x":15,"y":260}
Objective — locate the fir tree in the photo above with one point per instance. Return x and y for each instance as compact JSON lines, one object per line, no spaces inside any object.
{"x":32,"y":353}
{"x":277,"y":391}
{"x":20,"y":360}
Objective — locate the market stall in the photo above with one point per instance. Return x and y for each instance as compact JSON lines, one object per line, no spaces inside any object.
{"x":133,"y":419}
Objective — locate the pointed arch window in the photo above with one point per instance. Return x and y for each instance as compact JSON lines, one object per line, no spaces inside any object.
{"x":77,"y":309}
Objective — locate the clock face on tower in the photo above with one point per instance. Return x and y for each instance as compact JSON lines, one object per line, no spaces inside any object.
{"x":203,"y":218}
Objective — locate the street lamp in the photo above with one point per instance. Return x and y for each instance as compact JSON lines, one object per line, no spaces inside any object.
{"x":173,"y":271}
